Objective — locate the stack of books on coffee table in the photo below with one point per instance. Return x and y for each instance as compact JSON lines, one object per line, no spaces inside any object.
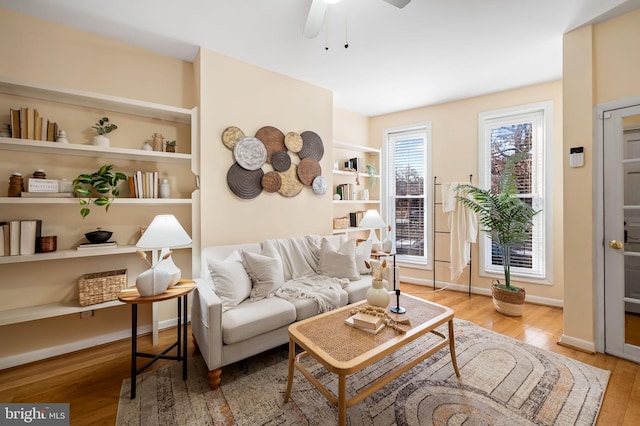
{"x":365,"y":322}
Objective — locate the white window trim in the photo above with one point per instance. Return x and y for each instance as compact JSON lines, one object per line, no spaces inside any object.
{"x":484,"y":150}
{"x":387,"y":210}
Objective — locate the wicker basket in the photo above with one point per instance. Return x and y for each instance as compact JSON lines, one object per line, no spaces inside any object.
{"x":101,"y":286}
{"x":340,"y":222}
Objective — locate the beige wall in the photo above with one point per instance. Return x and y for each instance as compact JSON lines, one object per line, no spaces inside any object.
{"x":600,"y":64}
{"x":234,"y":93}
{"x":455,"y":156}
{"x":38,"y":51}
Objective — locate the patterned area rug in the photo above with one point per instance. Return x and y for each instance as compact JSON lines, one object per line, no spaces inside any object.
{"x":503,"y":382}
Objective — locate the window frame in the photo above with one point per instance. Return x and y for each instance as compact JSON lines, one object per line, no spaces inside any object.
{"x":542,"y":178}
{"x":387,"y":208}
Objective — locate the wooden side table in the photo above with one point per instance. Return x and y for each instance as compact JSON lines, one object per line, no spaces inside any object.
{"x":131,"y":296}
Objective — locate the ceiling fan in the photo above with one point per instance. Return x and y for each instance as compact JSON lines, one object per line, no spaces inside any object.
{"x":319,"y":7}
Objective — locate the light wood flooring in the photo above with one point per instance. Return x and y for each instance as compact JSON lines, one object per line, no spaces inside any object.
{"x":90,"y":380}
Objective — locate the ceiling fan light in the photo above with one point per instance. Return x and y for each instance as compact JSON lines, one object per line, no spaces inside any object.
{"x":331,"y":1}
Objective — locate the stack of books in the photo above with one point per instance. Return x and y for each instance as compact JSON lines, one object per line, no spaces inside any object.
{"x":365,"y":322}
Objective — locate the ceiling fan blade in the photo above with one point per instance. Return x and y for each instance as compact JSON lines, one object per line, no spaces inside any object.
{"x":398,"y":3}
{"x":314,"y":20}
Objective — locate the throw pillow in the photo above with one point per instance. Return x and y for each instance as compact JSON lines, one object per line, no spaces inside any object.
{"x":230,"y":280}
{"x":363,"y":252}
{"x":338,"y":263}
{"x":265,"y":272}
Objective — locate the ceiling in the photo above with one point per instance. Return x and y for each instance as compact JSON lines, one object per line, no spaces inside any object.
{"x":429,"y":52}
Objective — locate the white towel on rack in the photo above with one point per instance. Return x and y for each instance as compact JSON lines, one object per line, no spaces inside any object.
{"x":463,"y":225}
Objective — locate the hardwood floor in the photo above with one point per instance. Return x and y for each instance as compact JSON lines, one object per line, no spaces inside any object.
{"x":90,"y":380}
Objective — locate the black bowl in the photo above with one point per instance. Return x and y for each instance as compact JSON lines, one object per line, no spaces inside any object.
{"x":98,"y":236}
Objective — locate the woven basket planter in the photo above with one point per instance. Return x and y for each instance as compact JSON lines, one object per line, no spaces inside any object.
{"x":507,"y":302}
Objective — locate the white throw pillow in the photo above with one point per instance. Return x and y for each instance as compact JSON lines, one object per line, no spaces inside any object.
{"x":265,"y":272}
{"x":338,"y":263}
{"x":363,"y":252}
{"x":230,"y":280}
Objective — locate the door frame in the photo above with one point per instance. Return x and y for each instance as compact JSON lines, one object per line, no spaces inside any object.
{"x":598,"y":213}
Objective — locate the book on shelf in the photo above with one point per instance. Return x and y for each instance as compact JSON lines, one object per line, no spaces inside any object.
{"x":143,"y":185}
{"x":4,"y":237}
{"x":355,"y":218}
{"x":357,"y":164}
{"x":15,"y":122}
{"x":24,"y":120}
{"x":14,"y":235}
{"x":52,"y":131}
{"x":90,"y":246}
{"x":30,"y":230}
{"x":44,"y":128}
{"x":37,"y":130}
{"x":46,"y":194}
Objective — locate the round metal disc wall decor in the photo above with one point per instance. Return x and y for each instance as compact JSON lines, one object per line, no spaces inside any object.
{"x":293,"y":141}
{"x":281,"y":161}
{"x":291,"y":186}
{"x":250,"y":153}
{"x":311,"y":146}
{"x":231,"y":136}
{"x":319,"y":185}
{"x":271,"y":182}
{"x":244,"y":183}
{"x":308,"y":170}
{"x":273,"y":140}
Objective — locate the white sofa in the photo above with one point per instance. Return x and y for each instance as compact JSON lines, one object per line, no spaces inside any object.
{"x":226,"y":334}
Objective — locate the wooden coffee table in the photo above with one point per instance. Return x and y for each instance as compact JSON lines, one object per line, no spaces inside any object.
{"x":345,"y":350}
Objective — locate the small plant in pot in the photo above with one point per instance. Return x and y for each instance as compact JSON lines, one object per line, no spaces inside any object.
{"x":170,"y":146}
{"x":103,"y":184}
{"x":103,"y":127}
{"x":507,"y":220}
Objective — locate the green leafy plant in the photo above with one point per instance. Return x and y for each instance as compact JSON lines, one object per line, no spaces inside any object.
{"x":502,"y":215}
{"x":103,"y":126}
{"x":170,"y":143}
{"x":104,"y":183}
{"x":371,"y":171}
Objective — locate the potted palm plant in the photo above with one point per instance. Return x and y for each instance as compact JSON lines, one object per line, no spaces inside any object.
{"x":507,"y":220}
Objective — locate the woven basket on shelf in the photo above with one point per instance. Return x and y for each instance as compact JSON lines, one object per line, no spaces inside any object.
{"x":101,"y":286}
{"x":340,"y":222}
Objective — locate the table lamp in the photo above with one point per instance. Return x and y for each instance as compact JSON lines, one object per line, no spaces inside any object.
{"x":163,"y":233}
{"x":373,"y":220}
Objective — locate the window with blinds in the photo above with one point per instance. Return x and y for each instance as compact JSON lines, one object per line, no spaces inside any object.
{"x":406,"y":162}
{"x":502,"y":135}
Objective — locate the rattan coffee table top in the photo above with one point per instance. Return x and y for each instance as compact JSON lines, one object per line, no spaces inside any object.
{"x":339,"y":344}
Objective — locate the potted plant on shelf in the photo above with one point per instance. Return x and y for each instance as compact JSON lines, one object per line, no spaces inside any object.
{"x":170,"y":146}
{"x":103,"y":184}
{"x":103,"y":127}
{"x":507,"y":220}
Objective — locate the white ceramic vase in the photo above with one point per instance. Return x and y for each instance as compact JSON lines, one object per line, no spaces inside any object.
{"x":100,"y":140}
{"x":377,"y":295}
{"x":152,"y":282}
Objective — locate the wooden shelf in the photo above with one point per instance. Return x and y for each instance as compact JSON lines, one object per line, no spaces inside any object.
{"x":33,"y":313}
{"x":125,"y":201}
{"x":349,"y":173}
{"x":354,"y":147}
{"x":356,"y":201}
{"x":27,"y":145}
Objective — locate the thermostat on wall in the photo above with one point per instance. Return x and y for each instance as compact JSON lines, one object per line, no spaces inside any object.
{"x":576,"y":157}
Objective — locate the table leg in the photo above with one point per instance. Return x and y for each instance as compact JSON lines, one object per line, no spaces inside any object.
{"x":184,"y":337}
{"x":452,"y":348}
{"x":134,"y":348}
{"x":292,"y":355}
{"x":342,"y":400}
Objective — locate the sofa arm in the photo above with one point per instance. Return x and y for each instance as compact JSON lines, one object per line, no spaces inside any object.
{"x":206,"y":323}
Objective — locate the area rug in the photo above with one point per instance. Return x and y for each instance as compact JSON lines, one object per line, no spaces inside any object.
{"x":503,"y":382}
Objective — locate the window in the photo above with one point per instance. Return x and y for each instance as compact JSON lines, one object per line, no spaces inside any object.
{"x":406,"y":190}
{"x":503,"y":134}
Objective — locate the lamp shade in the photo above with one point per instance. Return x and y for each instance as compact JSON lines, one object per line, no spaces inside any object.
{"x":164,"y":232}
{"x":372,"y":219}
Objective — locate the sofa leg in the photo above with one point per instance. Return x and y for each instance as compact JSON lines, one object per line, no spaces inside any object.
{"x":214,"y":378}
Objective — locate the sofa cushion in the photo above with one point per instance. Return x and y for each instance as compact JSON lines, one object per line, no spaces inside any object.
{"x":253,"y":318}
{"x":338,"y":262}
{"x":265,"y":272}
{"x":230,"y":280}
{"x":357,"y":290}
{"x":363,"y":253}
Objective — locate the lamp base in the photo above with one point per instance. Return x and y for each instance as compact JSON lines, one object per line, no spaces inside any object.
{"x":398,"y":309}
{"x":171,"y":268}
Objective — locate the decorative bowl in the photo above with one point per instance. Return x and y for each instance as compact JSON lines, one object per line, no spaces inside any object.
{"x":98,"y":236}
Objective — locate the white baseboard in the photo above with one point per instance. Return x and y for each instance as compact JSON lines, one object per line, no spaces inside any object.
{"x":40,"y":354}
{"x":576,"y":343}
{"x":440,"y":285}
